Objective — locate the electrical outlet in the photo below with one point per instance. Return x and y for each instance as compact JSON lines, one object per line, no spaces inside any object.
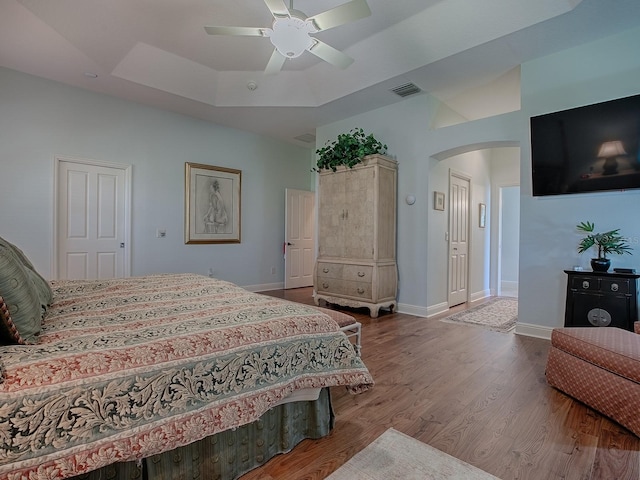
{"x":273,"y":270}
{"x":161,"y":232}
{"x":210,"y":272}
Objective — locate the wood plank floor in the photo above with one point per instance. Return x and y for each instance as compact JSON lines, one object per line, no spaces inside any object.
{"x":478,"y":395}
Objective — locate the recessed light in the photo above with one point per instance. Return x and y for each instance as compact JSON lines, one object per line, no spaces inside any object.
{"x":90,"y":74}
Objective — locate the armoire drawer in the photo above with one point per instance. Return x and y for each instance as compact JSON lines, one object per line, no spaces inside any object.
{"x":330,"y":285}
{"x":329,"y":270}
{"x":358,"y":273}
{"x":362,"y":290}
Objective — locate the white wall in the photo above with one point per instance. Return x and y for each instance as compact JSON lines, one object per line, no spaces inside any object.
{"x":603,"y":70}
{"x":40,"y":119}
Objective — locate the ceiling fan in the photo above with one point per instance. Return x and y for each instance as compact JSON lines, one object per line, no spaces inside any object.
{"x":291,"y":32}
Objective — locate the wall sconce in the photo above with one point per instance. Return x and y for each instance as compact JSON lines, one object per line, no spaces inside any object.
{"x":610,"y":152}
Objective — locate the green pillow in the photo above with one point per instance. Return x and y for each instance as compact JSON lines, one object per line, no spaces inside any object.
{"x":44,"y":289}
{"x":21,"y":297}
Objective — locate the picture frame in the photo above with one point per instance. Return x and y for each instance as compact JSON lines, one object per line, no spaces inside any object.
{"x":438,"y":200}
{"x":482,"y":219}
{"x":212,"y":204}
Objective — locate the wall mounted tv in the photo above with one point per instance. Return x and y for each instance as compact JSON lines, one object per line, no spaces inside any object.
{"x":587,"y":149}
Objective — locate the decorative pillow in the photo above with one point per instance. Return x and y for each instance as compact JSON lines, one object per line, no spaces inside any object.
{"x":21,"y":298}
{"x":44,"y":289}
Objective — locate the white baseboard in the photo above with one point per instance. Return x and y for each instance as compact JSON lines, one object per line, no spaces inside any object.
{"x":437,"y":309}
{"x":264,"y":287}
{"x":530,"y":330}
{"x":509,"y":289}
{"x":480,"y":295}
{"x":412,"y":310}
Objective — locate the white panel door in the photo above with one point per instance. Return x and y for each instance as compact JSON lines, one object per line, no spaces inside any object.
{"x":91,"y":221}
{"x":299,"y":256}
{"x":458,"y":239}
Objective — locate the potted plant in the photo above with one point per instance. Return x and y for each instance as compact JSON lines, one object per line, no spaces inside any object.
{"x":610,"y":242}
{"x":348,"y":150}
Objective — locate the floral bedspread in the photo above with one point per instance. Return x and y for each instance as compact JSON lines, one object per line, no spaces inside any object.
{"x":129,"y":368}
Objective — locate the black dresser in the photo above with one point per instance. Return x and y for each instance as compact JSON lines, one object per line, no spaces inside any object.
{"x":596,"y":299}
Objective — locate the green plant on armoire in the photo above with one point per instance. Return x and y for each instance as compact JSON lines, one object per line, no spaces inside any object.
{"x":348,"y":150}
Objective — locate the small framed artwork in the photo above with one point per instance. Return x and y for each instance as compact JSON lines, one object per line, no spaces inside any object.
{"x":483,"y":215}
{"x":212,"y":204}
{"x":438,"y":200}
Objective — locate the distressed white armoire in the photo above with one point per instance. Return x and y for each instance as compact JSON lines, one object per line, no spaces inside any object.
{"x":356,"y":265}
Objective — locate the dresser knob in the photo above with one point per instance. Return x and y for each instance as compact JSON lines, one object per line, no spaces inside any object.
{"x":361,"y":274}
{"x":614,"y":287}
{"x":585,"y":284}
{"x":325,"y":285}
{"x":325,"y":270}
{"x":360,"y":291}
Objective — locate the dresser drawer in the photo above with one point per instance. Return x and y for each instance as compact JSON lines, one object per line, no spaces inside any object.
{"x":329,"y":270}
{"x":585,"y":283}
{"x":614,"y":285}
{"x":362,"y":290}
{"x":330,"y":285}
{"x":358,"y":273}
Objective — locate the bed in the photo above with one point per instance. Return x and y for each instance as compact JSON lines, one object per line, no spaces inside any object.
{"x":122,"y":371}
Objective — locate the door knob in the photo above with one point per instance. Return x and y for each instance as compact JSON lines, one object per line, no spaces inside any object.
{"x":289,"y":244}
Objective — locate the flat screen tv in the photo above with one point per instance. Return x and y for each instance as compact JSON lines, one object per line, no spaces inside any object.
{"x":587,"y":149}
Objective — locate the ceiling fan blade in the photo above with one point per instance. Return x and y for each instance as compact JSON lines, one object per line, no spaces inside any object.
{"x":275,"y":63}
{"x":277,"y":8}
{"x":330,"y":54}
{"x":354,"y":10}
{"x":243,"y":31}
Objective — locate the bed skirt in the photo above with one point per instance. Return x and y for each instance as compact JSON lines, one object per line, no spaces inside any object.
{"x":231,"y":454}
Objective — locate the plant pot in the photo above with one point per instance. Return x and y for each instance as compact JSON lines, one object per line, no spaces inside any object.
{"x":600,"y":264}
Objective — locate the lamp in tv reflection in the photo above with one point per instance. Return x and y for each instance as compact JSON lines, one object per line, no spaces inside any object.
{"x":610,"y":151}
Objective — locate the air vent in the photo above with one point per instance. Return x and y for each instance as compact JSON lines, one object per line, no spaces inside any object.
{"x":306,"y":138}
{"x":406,"y":90}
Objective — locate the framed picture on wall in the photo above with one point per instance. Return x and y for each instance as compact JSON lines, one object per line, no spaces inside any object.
{"x":212,"y":204}
{"x":483,"y":215}
{"x":438,"y":200}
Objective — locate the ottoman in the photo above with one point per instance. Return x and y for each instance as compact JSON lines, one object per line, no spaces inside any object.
{"x":599,"y":366}
{"x":348,"y":325}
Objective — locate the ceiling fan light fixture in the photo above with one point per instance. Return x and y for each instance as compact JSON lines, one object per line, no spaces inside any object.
{"x":290,"y":36}
{"x":291,"y":32}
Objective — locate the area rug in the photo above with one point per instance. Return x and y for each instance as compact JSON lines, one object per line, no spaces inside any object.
{"x":396,"y":456}
{"x":498,"y":314}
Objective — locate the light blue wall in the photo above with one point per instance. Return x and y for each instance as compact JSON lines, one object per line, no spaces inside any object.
{"x":603,"y":70}
{"x":40,"y":119}
{"x":591,"y":73}
{"x":505,"y":172}
{"x":510,"y":230}
{"x":425,"y":156}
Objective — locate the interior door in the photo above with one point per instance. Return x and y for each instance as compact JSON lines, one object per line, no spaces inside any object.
{"x":459,"y":198}
{"x":299,"y":257}
{"x":91,"y":220}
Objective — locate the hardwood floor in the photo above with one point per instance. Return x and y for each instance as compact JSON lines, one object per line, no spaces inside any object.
{"x":478,"y":395}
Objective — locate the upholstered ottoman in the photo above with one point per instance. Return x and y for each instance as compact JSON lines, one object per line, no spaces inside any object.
{"x":600,"y":366}
{"x":348,"y":325}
